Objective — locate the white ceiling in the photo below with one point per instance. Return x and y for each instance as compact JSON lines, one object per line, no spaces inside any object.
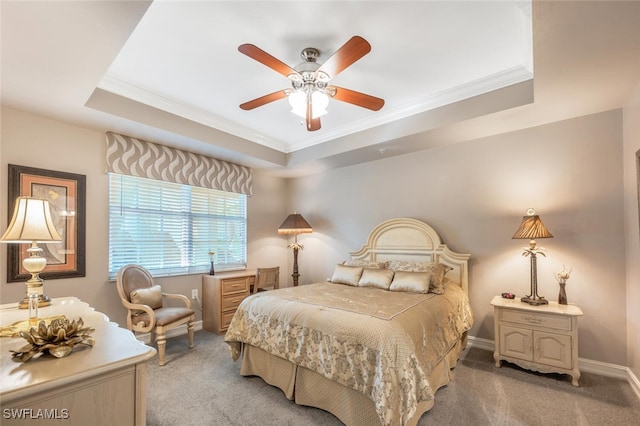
{"x":170,"y":71}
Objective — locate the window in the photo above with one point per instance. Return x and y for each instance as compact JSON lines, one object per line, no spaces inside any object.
{"x":170,"y":228}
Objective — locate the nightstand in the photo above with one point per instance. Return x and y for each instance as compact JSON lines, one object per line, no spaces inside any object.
{"x":541,"y":338}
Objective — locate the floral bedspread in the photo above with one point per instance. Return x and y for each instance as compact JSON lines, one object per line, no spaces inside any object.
{"x":363,"y":338}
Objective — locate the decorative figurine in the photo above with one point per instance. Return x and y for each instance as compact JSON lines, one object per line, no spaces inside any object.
{"x":562,"y":277}
{"x":211,"y":270}
{"x":58,"y":339}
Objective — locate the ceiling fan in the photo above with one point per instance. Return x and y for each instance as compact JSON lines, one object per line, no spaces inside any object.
{"x":310,"y":92}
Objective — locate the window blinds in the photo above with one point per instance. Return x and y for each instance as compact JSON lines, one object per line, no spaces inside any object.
{"x":170,"y":228}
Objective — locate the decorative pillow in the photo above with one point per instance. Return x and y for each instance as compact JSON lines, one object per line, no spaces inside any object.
{"x":403,"y":265}
{"x":347,"y":274}
{"x":439,"y":270}
{"x":365,"y":263}
{"x":379,"y":278}
{"x":150,"y":296}
{"x":413,"y":282}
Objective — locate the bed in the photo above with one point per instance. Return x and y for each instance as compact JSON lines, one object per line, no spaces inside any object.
{"x":365,"y":353}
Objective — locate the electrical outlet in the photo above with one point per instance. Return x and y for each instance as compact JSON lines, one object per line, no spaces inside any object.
{"x":194,"y":293}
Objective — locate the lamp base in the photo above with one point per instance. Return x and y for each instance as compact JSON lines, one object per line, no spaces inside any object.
{"x":43,"y":301}
{"x":536,"y":301}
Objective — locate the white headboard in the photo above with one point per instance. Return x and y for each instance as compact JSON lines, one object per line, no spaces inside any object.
{"x":415,"y":241}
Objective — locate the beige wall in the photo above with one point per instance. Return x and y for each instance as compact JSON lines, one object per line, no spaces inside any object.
{"x":632,"y":197}
{"x":30,"y":140}
{"x":474,"y":194}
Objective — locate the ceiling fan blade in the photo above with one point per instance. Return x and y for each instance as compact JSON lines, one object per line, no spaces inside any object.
{"x":357,"y":98}
{"x":254,"y":52}
{"x":349,"y":53}
{"x":263,"y":100}
{"x":312,"y":123}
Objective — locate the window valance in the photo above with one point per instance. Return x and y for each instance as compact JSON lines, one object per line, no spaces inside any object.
{"x":135,"y":157}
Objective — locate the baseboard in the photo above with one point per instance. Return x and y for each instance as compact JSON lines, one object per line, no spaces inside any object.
{"x":586,"y":365}
{"x":178,"y":331}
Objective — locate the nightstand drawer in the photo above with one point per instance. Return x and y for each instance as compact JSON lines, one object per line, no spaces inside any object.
{"x":235,"y":285}
{"x":232,"y":301}
{"x":226,"y":319}
{"x":534,"y":318}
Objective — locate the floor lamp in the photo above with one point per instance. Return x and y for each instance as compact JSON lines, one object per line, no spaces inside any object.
{"x":530,"y":229}
{"x":295,"y":224}
{"x":31,"y":223}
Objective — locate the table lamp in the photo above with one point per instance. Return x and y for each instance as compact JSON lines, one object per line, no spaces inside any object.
{"x":32,"y":223}
{"x":295,"y":224}
{"x":530,"y":229}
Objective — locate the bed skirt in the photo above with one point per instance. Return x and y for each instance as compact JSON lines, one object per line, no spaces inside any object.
{"x":306,"y":387}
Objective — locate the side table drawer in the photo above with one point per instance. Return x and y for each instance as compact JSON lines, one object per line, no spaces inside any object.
{"x":231,"y":302}
{"x":235,"y":285}
{"x":534,"y":318}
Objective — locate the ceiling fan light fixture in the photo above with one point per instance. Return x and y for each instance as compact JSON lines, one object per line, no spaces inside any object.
{"x":310,"y":92}
{"x":298,"y":101}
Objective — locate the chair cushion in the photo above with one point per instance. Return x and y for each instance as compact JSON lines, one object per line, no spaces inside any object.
{"x":151,"y":296}
{"x":166,"y":316}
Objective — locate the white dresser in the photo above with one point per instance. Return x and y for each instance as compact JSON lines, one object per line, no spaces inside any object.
{"x":101,"y":385}
{"x":542,"y":338}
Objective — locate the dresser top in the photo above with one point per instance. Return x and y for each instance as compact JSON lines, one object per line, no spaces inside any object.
{"x":552,"y":307}
{"x":114,"y":348}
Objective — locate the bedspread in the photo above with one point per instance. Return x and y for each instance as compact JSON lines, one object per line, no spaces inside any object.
{"x":384,"y":349}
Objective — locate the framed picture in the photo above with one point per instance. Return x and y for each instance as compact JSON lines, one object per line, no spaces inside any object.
{"x":66,"y":193}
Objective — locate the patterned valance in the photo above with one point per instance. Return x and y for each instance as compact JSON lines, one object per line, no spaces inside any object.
{"x":135,"y":157}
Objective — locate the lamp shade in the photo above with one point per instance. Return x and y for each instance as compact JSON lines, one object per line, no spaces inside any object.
{"x":31,"y":222}
{"x":531,"y":228}
{"x":295,"y":224}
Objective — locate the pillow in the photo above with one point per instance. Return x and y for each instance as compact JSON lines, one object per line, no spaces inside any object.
{"x":150,"y":296}
{"x":439,"y":270}
{"x":413,"y":282}
{"x":347,"y":274}
{"x":365,"y":263}
{"x":403,"y":265}
{"x":379,"y":278}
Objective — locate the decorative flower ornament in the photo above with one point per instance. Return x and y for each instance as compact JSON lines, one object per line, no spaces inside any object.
{"x":58,"y":339}
{"x":563,"y":276}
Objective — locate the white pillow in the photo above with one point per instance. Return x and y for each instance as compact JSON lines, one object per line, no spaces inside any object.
{"x":379,"y":278}
{"x":347,"y":274}
{"x":413,"y":282}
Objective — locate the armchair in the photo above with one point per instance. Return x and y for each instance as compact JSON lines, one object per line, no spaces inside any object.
{"x":145,"y":309}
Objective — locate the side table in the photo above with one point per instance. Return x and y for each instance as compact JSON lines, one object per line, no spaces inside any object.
{"x":541,"y":338}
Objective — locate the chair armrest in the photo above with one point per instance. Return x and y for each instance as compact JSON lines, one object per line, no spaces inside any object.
{"x":182,"y":297}
{"x":146,"y":308}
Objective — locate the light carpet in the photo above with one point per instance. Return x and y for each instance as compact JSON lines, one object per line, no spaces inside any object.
{"x":203,"y":386}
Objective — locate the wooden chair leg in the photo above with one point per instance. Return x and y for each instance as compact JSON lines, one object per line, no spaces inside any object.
{"x":190,"y":330}
{"x":162,"y":342}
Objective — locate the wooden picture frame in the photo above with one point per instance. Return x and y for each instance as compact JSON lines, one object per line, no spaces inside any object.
{"x":66,"y":193}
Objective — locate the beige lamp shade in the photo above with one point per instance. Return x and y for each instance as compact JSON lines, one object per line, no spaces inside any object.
{"x":531,"y":228}
{"x":31,"y":222}
{"x":295,"y":224}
